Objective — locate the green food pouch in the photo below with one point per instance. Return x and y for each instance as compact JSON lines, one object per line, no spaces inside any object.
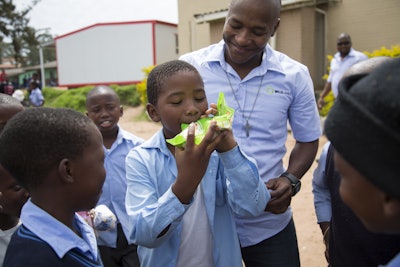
{"x":223,"y":118}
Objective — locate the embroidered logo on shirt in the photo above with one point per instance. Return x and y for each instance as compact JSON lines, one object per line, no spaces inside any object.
{"x":271,"y":90}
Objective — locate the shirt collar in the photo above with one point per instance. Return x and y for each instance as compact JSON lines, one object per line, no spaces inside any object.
{"x":120,"y":137}
{"x":56,"y":234}
{"x":124,"y":136}
{"x":157,"y":141}
{"x":352,"y":53}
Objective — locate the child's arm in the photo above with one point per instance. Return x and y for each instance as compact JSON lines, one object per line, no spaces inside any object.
{"x":154,"y":211}
{"x":155,"y":199}
{"x":247,"y":194}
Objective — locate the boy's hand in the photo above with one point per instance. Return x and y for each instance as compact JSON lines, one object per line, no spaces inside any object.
{"x":211,"y":111}
{"x":227,"y":142}
{"x":192,"y":162}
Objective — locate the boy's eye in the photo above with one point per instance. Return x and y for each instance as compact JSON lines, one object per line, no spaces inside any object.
{"x":176,"y":102}
{"x":200,"y":99}
{"x":17,"y":187}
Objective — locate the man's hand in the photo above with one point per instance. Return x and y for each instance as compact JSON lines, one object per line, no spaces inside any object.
{"x":281,"y":195}
{"x":320,"y":103}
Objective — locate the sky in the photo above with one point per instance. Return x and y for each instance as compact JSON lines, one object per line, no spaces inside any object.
{"x":60,"y":17}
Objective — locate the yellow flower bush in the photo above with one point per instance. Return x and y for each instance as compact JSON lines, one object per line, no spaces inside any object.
{"x":394,"y":51}
{"x":141,"y":87}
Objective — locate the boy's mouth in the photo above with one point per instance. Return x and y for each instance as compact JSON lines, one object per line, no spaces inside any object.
{"x":106,"y":123}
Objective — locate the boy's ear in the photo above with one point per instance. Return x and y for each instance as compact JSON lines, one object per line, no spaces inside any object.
{"x":391,"y":208}
{"x":121,"y":110}
{"x":65,"y":171}
{"x":152,"y":111}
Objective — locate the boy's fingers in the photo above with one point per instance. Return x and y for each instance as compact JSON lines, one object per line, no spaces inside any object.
{"x":190,"y":135}
{"x":210,"y":111}
{"x":213,"y":138}
{"x":210,"y":134}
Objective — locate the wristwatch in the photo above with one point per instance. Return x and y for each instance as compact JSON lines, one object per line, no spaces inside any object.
{"x":296,"y":183}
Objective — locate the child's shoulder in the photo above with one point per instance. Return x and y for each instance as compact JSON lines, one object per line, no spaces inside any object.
{"x":136,"y":140}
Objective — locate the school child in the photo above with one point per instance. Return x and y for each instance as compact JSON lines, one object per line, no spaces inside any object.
{"x":181,"y":201}
{"x":57,"y":155}
{"x":104,"y":109}
{"x":363,"y":127}
{"x":12,"y":195}
{"x":36,"y":97}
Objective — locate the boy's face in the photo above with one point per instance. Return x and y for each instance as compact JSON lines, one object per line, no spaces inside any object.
{"x":182,"y":99}
{"x":104,"y":110}
{"x":13,"y":196}
{"x":365,"y":199}
{"x":89,"y":172}
{"x":6,"y":113}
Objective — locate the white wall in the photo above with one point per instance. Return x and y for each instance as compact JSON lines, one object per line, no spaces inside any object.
{"x":107,"y":53}
{"x":165,"y":43}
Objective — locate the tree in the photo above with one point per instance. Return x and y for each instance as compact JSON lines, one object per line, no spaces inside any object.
{"x":49,"y":53}
{"x":15,"y":29}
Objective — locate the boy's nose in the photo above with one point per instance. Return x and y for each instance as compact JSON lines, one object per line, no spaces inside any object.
{"x":192,"y":110}
{"x":103,"y":113}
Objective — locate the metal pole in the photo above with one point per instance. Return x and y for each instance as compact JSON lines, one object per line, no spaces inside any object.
{"x":42,"y":66}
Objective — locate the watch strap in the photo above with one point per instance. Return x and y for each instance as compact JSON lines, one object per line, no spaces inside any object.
{"x":295,"y":182}
{"x":291,"y":177}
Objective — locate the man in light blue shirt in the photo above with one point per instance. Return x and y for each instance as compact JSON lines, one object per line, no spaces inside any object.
{"x":267,"y":89}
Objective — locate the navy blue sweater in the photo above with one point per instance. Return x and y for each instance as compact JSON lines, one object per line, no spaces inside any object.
{"x":26,"y":249}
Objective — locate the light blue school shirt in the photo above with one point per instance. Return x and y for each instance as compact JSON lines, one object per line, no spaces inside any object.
{"x":58,"y":235}
{"x":395,"y":262}
{"x":114,"y":188}
{"x":36,"y":97}
{"x":286,"y":94}
{"x":322,"y":196}
{"x":231,"y":185}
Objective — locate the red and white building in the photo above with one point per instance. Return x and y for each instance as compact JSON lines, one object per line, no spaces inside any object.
{"x":114,"y":53}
